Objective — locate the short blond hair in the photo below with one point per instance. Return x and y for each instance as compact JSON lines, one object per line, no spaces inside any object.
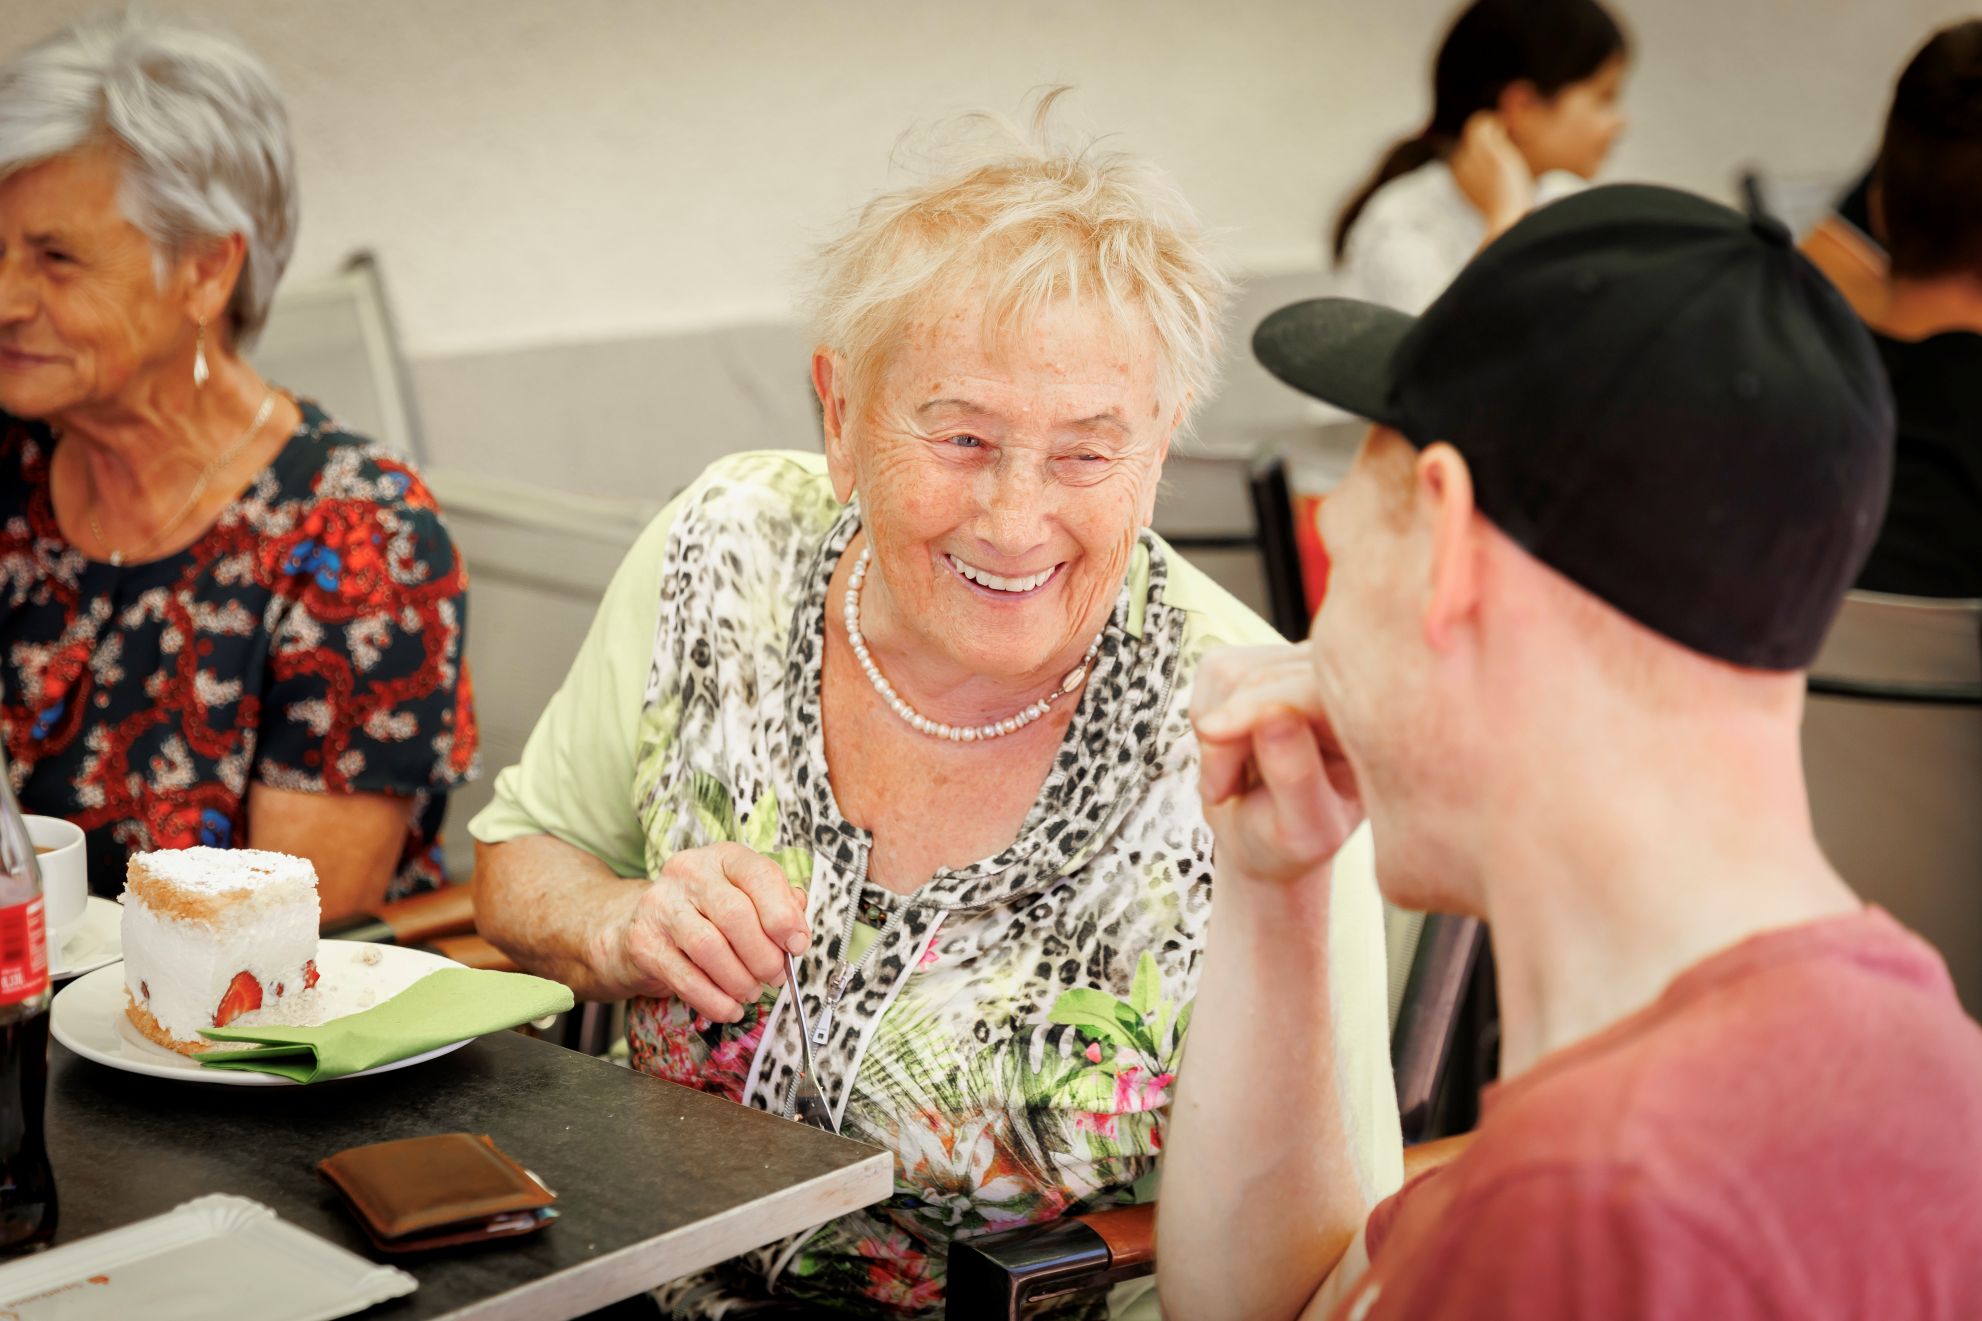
{"x":1026,"y":223}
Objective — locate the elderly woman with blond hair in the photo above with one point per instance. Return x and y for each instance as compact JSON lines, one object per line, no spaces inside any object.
{"x":224,"y":620}
{"x":915,"y":713}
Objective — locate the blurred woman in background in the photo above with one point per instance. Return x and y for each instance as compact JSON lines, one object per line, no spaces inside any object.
{"x":224,"y":620}
{"x":1524,"y":105}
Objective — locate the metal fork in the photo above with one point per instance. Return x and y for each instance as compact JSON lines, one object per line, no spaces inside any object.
{"x":808,"y":1102}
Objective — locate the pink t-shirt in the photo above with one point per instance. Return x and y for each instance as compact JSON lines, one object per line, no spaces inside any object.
{"x":1793,"y":1129}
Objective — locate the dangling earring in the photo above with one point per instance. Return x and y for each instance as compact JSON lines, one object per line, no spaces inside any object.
{"x":199,"y":357}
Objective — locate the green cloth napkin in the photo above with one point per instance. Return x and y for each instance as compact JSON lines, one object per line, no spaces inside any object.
{"x":442,"y":1007}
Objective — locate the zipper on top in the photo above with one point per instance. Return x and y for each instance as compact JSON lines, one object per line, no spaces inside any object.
{"x":843,"y":975}
{"x":840,"y":979}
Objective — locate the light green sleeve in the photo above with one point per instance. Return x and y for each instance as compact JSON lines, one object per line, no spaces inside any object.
{"x":576,"y":777}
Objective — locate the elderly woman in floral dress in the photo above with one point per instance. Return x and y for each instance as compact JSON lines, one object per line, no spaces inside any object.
{"x":224,"y":620}
{"x":915,"y":712}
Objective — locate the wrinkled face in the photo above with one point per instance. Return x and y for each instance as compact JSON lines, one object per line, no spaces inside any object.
{"x":81,"y":312}
{"x":1575,"y":129}
{"x":1378,"y":677}
{"x":1002,"y":486}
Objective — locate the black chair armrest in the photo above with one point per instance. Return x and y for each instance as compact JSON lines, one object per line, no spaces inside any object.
{"x":993,"y":1276}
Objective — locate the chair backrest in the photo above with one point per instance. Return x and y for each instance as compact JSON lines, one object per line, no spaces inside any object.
{"x":1232,"y":516}
{"x":1892,"y":752}
{"x":1436,"y":970}
{"x":1424,"y":1040}
{"x":538,"y":563}
{"x":332,"y":340}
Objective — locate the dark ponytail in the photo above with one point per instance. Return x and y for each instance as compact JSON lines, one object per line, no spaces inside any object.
{"x":1408,"y":155}
{"x":1492,"y":45}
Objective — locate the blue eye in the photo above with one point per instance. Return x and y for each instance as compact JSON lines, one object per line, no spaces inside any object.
{"x":966,"y":442}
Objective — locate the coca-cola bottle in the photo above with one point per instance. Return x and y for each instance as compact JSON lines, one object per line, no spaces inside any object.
{"x":27,"y":1184}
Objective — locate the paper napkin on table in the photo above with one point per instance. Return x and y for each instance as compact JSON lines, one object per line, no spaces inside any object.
{"x":443,"y":1007}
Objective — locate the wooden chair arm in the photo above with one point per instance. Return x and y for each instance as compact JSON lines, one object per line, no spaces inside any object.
{"x":441,"y":920}
{"x":1129,"y":1232}
{"x":473,"y":951}
{"x":448,"y":911}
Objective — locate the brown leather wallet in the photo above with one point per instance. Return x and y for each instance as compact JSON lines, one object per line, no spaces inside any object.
{"x":438,"y":1191}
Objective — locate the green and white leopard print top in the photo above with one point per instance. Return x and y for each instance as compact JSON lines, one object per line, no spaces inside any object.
{"x":1012,"y":1029}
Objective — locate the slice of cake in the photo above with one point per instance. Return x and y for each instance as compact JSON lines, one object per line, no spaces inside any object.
{"x":211,"y":934}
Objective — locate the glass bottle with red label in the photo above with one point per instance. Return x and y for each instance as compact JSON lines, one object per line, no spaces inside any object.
{"x":27,"y":1184}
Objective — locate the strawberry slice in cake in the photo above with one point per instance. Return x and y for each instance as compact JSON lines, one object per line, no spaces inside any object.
{"x":211,"y":934}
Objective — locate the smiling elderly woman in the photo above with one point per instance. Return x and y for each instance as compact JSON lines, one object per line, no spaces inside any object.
{"x":917,"y":713}
{"x":223,"y":619}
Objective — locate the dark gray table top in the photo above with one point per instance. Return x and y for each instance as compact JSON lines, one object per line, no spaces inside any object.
{"x":654,"y":1181}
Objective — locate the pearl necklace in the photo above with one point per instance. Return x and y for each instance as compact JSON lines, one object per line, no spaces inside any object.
{"x":935,"y":728}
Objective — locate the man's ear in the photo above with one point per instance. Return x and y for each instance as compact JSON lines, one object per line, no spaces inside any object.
{"x":1444,"y":499}
{"x":210,"y":269}
{"x":829,"y":383}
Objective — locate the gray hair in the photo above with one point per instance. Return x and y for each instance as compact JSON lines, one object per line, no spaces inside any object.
{"x":199,"y":122}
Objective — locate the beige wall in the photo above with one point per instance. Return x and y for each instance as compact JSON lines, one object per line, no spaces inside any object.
{"x":534,"y":172}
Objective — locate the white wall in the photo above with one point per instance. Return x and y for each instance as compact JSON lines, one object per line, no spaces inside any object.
{"x":536,"y":173}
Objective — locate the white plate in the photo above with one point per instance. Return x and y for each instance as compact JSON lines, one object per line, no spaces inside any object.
{"x":88,"y":1014}
{"x":202,"y":1259}
{"x":96,"y":939}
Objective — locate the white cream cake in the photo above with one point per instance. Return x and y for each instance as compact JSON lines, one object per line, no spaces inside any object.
{"x":211,"y":934}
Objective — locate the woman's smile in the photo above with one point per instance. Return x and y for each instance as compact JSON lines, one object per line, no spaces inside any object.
{"x":1001,"y":587}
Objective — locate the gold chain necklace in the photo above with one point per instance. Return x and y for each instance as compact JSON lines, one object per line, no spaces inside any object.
{"x":214,"y":466}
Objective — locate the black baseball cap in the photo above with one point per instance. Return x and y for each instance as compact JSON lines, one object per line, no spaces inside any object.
{"x":1656,"y":395}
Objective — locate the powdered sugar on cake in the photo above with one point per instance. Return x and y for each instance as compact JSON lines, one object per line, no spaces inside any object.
{"x":203,"y":881}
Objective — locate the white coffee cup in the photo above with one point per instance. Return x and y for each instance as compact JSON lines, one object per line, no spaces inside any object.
{"x":64,"y":864}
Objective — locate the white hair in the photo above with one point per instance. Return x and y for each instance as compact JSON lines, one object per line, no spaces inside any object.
{"x":1024,"y":224}
{"x":198,"y":121}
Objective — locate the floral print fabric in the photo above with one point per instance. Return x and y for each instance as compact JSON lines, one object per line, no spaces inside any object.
{"x":311,"y":639}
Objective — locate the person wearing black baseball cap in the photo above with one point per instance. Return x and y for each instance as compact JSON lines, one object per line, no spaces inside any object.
{"x":1621,"y":474}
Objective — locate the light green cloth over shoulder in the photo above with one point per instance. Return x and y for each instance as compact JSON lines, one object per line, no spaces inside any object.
{"x":450,"y":1005}
{"x":1219,"y":617}
{"x":575,"y":779}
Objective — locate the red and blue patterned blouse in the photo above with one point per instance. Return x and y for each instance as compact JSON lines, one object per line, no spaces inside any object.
{"x":311,"y":639}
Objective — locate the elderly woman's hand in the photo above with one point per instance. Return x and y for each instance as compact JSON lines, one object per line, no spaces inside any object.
{"x":711,"y":930}
{"x":1278,"y":793}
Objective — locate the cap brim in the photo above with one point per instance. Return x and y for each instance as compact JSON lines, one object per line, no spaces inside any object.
{"x":1337,"y":349}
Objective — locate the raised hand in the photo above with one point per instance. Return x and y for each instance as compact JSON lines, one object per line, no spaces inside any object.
{"x":1280,"y":796}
